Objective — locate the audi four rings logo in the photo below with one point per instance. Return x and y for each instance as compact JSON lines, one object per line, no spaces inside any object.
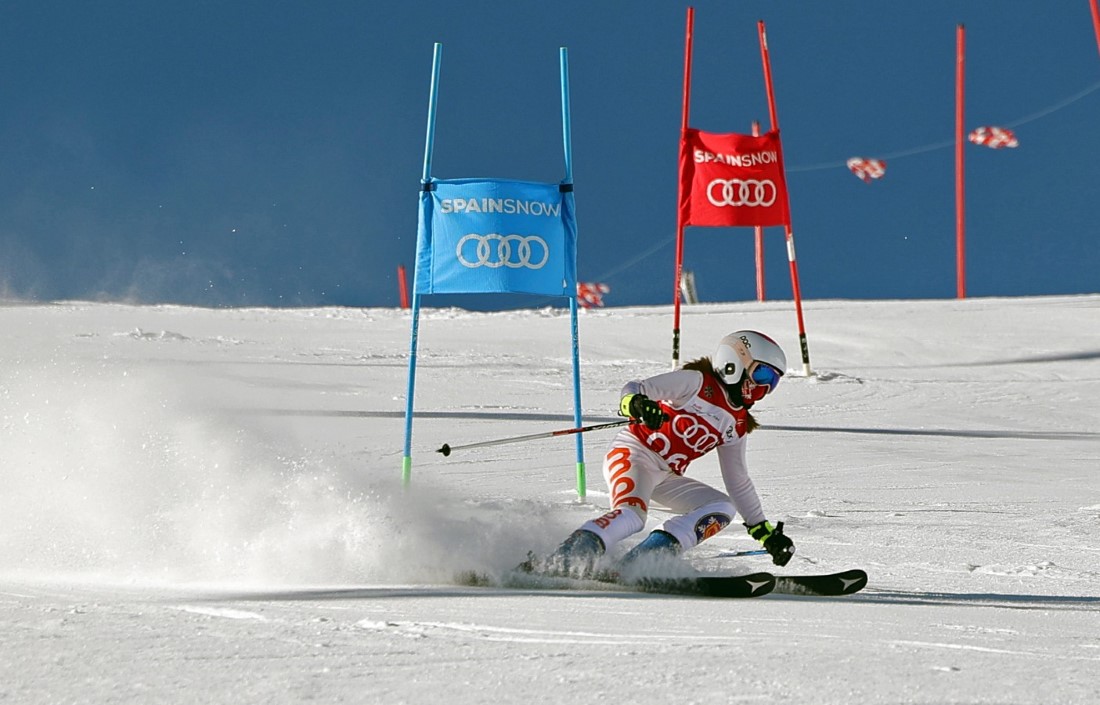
{"x":695,"y":435}
{"x":493,"y":251}
{"x":742,"y":192}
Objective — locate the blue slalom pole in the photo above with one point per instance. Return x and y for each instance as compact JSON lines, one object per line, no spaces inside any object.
{"x":433,"y":97}
{"x":406,"y":462}
{"x":567,"y":142}
{"x":425,"y":179}
{"x":567,"y":138}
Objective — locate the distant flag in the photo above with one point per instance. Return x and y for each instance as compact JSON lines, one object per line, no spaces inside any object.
{"x":590,"y":294}
{"x":867,"y":169}
{"x":994,"y":137}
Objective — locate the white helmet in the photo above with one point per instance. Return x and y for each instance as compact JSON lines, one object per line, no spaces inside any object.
{"x":738,"y":350}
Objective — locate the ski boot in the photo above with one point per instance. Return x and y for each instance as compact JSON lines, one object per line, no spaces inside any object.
{"x":576,"y":557}
{"x":658,"y":549}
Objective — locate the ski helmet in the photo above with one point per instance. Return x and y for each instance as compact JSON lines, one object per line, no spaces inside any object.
{"x":737,"y":351}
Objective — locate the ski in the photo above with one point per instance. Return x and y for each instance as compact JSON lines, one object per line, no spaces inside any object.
{"x":845,"y":582}
{"x":752,"y":585}
{"x":721,"y":586}
{"x":824,"y":585}
{"x":726,"y":586}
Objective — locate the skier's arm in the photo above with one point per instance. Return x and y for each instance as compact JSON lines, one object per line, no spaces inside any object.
{"x":735,"y":473}
{"x":739,"y":486}
{"x":676,"y":388}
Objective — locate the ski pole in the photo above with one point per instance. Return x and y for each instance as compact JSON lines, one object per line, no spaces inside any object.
{"x":446,"y":449}
{"x":738,"y":554}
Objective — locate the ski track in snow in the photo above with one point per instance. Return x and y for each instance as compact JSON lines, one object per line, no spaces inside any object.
{"x":205,"y":506}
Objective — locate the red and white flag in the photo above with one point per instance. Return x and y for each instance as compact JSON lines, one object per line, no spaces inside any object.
{"x":867,"y":169}
{"x":590,"y":294}
{"x":994,"y":137}
{"x":732,"y":179}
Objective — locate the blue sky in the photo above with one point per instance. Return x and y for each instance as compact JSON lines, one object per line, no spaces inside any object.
{"x":269,"y":153}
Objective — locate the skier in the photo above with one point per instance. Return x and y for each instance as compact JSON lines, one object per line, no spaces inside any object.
{"x":682,"y":415}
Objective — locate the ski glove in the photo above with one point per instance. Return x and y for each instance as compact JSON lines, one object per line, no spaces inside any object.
{"x":639,"y":406}
{"x":774,"y":541}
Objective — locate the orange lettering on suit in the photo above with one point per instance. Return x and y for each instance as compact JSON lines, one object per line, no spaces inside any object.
{"x":620,"y":483}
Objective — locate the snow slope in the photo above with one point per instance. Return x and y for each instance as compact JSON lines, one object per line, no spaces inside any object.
{"x":204,"y":506}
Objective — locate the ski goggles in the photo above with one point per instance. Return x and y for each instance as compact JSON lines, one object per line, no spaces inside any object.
{"x":764,"y":375}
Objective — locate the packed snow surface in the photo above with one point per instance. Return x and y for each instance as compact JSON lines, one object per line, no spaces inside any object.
{"x":206,"y":506}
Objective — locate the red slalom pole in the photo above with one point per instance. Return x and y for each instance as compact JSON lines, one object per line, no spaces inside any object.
{"x":402,"y":286}
{"x":1096,"y":21}
{"x":795,"y":288}
{"x":680,"y":193}
{"x":758,"y":233}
